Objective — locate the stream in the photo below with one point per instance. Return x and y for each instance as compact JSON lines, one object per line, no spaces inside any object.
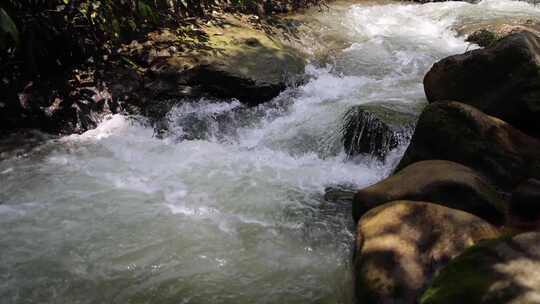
{"x":227,"y":207}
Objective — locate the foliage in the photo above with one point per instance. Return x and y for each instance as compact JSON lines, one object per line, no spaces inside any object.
{"x":50,"y":34}
{"x":8,"y":29}
{"x":43,"y":37}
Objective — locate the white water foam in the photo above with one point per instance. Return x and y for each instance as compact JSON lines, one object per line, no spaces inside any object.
{"x":233,"y":214}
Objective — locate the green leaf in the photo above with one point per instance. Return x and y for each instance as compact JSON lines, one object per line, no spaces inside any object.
{"x":146,"y":11}
{"x":7,"y":26}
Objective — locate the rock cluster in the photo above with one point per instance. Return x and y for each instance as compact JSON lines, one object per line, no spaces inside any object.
{"x":502,"y":80}
{"x":450,"y":226}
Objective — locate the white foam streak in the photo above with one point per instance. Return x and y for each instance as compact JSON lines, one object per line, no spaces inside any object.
{"x":229,"y":207}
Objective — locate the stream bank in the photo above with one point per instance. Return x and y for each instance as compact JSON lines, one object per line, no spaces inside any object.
{"x":228,"y":56}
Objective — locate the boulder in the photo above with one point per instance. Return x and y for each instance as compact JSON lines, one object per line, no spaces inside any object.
{"x":460,"y":133}
{"x":401,"y":245}
{"x":506,"y":270}
{"x":502,"y":80}
{"x":376,"y":129}
{"x":442,"y":182}
{"x":236,"y":61}
{"x":525,"y":204}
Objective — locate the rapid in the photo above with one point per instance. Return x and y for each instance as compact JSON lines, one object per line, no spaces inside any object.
{"x":227,"y":205}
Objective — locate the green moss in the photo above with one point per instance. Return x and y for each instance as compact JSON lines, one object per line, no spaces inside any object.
{"x":467,"y":278}
{"x":233,"y":49}
{"x":484,"y":38}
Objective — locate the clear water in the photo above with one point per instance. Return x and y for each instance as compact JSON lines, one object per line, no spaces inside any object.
{"x":232,"y":210}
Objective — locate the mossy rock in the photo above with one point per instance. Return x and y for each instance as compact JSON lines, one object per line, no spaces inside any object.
{"x":505,"y":270}
{"x":252,"y":54}
{"x":232,"y":59}
{"x":483,"y":38}
{"x":401,"y":245}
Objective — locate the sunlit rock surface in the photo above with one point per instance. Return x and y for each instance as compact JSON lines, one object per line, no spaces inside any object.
{"x":402,"y":244}
{"x":442,"y":182}
{"x":499,"y":271}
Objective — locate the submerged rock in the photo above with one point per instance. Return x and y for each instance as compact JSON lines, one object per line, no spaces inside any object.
{"x":339,"y":194}
{"x":505,"y":270}
{"x":375,"y":129}
{"x":442,"y":182}
{"x":502,"y":80}
{"x":402,"y":244}
{"x":457,"y":132}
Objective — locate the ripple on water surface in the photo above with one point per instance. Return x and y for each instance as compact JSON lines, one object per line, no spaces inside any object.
{"x":230,"y":211}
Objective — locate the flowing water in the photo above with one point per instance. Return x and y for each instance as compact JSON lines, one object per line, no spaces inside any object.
{"x":228,"y":207}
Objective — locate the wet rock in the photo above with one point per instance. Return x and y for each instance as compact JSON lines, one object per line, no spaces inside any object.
{"x":221,"y":81}
{"x":505,"y":270}
{"x":492,"y":30}
{"x":525,"y":204}
{"x":442,"y":182}
{"x":74,"y":111}
{"x":401,"y":245}
{"x":502,"y":80}
{"x":457,"y":132}
{"x":339,"y":194}
{"x":124,"y":82}
{"x":375,"y":129}
{"x":90,"y":106}
{"x":483,"y":38}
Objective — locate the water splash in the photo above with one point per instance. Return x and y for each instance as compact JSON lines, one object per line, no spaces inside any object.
{"x":234,"y":213}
